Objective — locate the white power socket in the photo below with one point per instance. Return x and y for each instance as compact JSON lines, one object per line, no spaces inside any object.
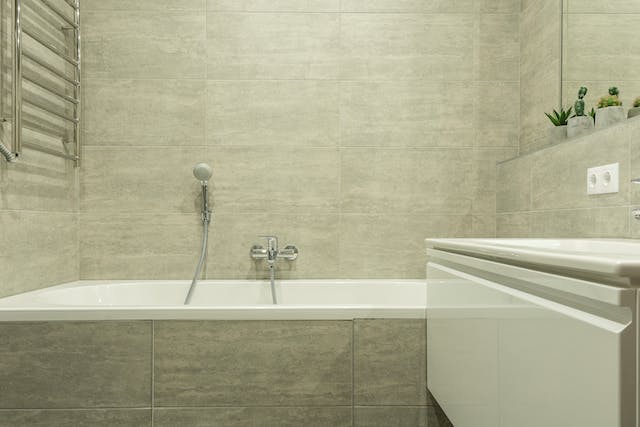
{"x":603,"y":179}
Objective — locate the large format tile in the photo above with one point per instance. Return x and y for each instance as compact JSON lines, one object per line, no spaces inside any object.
{"x":581,"y":223}
{"x":390,"y":362}
{"x":400,"y":416}
{"x":76,"y":418}
{"x":75,"y":364}
{"x":128,"y":246}
{"x":273,"y":5}
{"x":485,"y":178}
{"x":274,"y":179}
{"x":417,"y":6}
{"x":513,"y":225}
{"x":406,"y":181}
{"x":497,"y":56}
{"x":514,"y":185}
{"x":37,"y":249}
{"x":406,"y":114}
{"x":254,"y":417}
{"x":272,"y":45}
{"x":599,"y":7}
{"x":315,"y":235}
{"x":278,"y":113}
{"x":392,"y":246}
{"x":130,"y":44}
{"x":392,"y":46}
{"x":144,"y":112}
{"x":140,"y":180}
{"x":162,"y":5}
{"x":252,"y":363}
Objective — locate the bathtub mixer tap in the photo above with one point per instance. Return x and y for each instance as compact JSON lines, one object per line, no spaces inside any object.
{"x":272,"y":254}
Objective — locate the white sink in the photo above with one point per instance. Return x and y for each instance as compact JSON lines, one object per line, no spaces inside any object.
{"x":616,"y":259}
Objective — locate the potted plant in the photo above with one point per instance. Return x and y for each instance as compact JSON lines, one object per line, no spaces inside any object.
{"x":579,"y":123}
{"x":635,"y":111}
{"x":610,"y":110}
{"x":559,"y":119}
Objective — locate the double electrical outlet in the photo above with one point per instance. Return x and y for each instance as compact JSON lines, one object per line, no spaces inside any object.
{"x":603,"y":179}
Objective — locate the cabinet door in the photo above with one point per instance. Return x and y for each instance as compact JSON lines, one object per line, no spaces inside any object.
{"x":501,"y":356}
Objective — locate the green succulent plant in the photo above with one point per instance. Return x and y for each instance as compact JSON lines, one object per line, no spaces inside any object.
{"x":609,"y":101}
{"x":636,"y":103}
{"x":560,"y":118}
{"x":592,"y":113}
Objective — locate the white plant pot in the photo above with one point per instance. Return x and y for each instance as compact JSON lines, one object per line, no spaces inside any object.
{"x":609,"y":116}
{"x":579,"y":125}
{"x":557,"y":134}
{"x":635,"y":111}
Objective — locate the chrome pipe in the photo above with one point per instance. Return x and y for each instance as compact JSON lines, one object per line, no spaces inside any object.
{"x":49,"y":68}
{"x":51,"y":47}
{"x":50,"y":111}
{"x":58,"y":12}
{"x":17,"y":79}
{"x":50,"y":89}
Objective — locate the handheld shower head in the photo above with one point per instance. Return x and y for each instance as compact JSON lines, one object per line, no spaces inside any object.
{"x":202,"y":172}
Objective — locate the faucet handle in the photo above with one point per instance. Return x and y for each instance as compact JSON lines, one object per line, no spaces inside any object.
{"x":272,"y":241}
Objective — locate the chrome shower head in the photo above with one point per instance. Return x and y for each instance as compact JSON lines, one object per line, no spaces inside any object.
{"x":202,"y":172}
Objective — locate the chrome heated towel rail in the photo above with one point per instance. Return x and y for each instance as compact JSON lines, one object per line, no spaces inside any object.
{"x":46,"y":77}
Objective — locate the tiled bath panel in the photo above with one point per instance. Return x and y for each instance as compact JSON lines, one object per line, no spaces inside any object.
{"x":333,"y":373}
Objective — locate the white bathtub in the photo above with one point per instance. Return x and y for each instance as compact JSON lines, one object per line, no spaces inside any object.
{"x":219,"y":300}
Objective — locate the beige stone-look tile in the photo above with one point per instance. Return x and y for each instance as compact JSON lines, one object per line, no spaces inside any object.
{"x":497,"y":56}
{"x":140,"y":180}
{"x":406,"y":181}
{"x":37,"y":250}
{"x":610,"y":56}
{"x":75,"y":364}
{"x":498,"y":138}
{"x":129,"y":246}
{"x":132,"y":44}
{"x":513,"y":225}
{"x":418,"y":6}
{"x":392,"y":46}
{"x":581,"y":223}
{"x":257,"y":363}
{"x":393,"y":244}
{"x":485,"y":178}
{"x":498,"y":6}
{"x":273,"y":5}
{"x":390,"y":362}
{"x":492,"y":105}
{"x":272,"y":45}
{"x":559,"y":173}
{"x":144,"y":112}
{"x":71,"y":417}
{"x":161,"y":5}
{"x":483,"y":225}
{"x":633,"y":131}
{"x":260,"y":113}
{"x":406,"y":114}
{"x":254,"y":417}
{"x":514,"y":185}
{"x":400,"y":416}
{"x":274,"y":179}
{"x":39,"y":182}
{"x":602,"y":7}
{"x":232,"y":235}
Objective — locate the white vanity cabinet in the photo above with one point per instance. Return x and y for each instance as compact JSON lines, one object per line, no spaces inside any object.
{"x":515,"y":346}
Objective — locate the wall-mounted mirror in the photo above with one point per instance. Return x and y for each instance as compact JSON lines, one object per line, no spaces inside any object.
{"x":600,"y":49}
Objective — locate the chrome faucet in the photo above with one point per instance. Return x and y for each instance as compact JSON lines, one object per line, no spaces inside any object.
{"x":272,"y":254}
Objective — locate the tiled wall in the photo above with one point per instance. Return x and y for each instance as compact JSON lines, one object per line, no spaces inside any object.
{"x":599,"y":51}
{"x":543,"y":194}
{"x":353,"y":129}
{"x":201,"y":373}
{"x":38,"y":201}
{"x":540,"y":69}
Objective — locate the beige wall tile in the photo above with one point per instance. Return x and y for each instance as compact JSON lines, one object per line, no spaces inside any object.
{"x":275,"y":179}
{"x":633,"y":131}
{"x":393,"y":244}
{"x":390,"y":362}
{"x":492,"y":105}
{"x":272,"y":45}
{"x":275,"y":113}
{"x":273,"y":5}
{"x":433,"y":6}
{"x":252,"y":363}
{"x":497,"y":56}
{"x":406,"y":181}
{"x":256,"y":417}
{"x":392,"y":46}
{"x":406,"y":114}
{"x":71,"y":417}
{"x":143,"y":5}
{"x":37,"y":249}
{"x":484,"y":182}
{"x":232,"y":235}
{"x":131,"y":44}
{"x":597,"y":6}
{"x":513,"y":225}
{"x":144,"y":112}
{"x":514,"y":185}
{"x":400,"y":416}
{"x":483,"y":225}
{"x":129,"y":246}
{"x":560,"y":174}
{"x":140,"y":179}
{"x":75,"y":365}
{"x":582,"y":223}
{"x":498,"y":6}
